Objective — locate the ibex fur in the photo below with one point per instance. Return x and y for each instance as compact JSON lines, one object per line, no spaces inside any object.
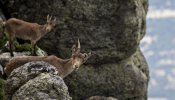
{"x":64,"y":66}
{"x":17,"y":28}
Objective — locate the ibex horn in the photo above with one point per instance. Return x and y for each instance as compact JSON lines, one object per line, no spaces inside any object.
{"x":78,"y":44}
{"x":78,"y":47}
{"x":48,"y":17}
{"x":55,"y":19}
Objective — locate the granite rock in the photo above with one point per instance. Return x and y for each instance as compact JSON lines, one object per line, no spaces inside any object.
{"x":36,"y":81}
{"x":111,"y":29}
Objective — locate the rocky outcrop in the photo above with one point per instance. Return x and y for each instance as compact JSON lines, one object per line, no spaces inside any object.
{"x":125,"y":80}
{"x":111,"y":29}
{"x":36,"y":81}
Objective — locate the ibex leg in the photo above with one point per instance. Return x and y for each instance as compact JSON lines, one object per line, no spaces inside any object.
{"x":11,"y":45}
{"x":33,"y":48}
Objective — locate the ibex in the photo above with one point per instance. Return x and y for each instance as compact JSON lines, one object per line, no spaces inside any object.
{"x":64,"y":66}
{"x":27,"y":31}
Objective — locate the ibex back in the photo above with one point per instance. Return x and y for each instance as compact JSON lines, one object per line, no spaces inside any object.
{"x":27,"y":31}
{"x":64,"y":66}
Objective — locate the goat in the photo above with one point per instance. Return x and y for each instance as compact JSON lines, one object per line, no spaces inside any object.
{"x":64,"y":66}
{"x":17,"y":28}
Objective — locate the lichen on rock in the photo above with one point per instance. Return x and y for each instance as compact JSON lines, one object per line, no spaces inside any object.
{"x":36,"y":80}
{"x":44,"y":87}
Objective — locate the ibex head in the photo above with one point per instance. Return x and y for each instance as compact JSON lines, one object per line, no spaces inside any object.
{"x":50,"y":23}
{"x":79,"y":58}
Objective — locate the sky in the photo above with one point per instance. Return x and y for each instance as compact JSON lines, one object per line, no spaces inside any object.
{"x":158,"y":46}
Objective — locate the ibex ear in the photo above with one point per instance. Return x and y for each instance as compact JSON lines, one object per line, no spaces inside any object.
{"x":86,"y":56}
{"x":89,"y":54}
{"x":50,"y":18}
{"x":73,"y":49}
{"x":54,"y":21}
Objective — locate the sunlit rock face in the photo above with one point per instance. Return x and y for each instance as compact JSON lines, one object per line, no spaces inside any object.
{"x":111,"y":29}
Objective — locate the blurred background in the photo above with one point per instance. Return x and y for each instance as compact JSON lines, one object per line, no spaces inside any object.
{"x":158,"y":47}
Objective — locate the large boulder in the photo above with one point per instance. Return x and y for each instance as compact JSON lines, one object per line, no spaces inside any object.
{"x":111,"y":29}
{"x":125,"y":80}
{"x":36,"y":81}
{"x":44,"y":87}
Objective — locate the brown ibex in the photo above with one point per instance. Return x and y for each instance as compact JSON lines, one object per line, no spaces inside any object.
{"x":27,"y":31}
{"x":64,"y":66}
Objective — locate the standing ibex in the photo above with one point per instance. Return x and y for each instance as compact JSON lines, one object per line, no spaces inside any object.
{"x":28,"y":31}
{"x":64,"y":67}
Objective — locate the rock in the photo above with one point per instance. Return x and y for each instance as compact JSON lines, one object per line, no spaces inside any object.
{"x":101,"y":98}
{"x":2,"y":17}
{"x":1,"y":71}
{"x":2,"y":82}
{"x":44,"y":87}
{"x":111,"y":29}
{"x":2,"y":40}
{"x":126,"y":80}
{"x":25,"y":47}
{"x":36,"y":80}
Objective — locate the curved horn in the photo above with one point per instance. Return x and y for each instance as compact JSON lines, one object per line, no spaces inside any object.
{"x":50,"y":18}
{"x":55,"y":19}
{"x":47,"y":17}
{"x":78,"y":44}
{"x":78,"y":47}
